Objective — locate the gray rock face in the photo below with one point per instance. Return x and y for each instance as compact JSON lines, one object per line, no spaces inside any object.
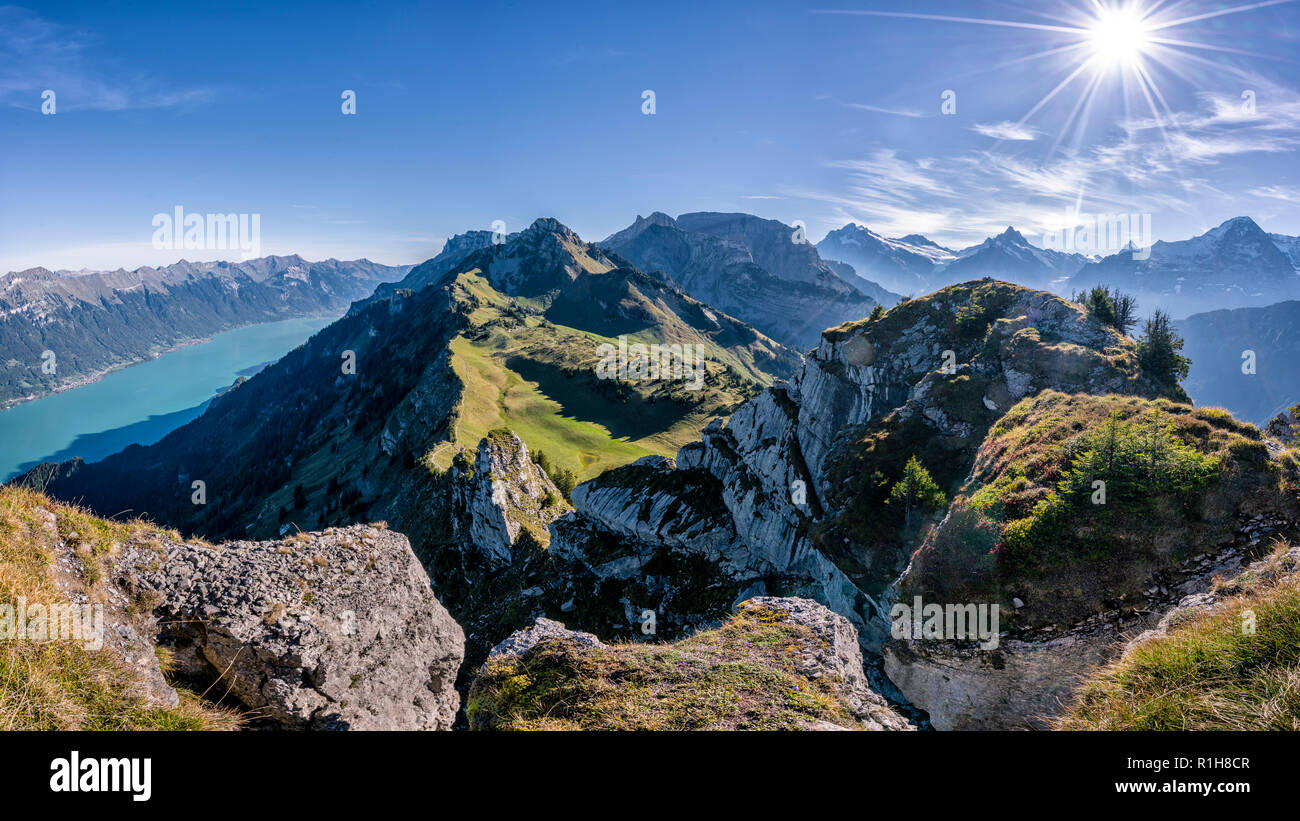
{"x":129,"y":631}
{"x":1285,"y":427}
{"x":331,"y":630}
{"x":838,"y":656}
{"x":520,"y":642}
{"x":1015,"y":687}
{"x":500,"y":496}
{"x":831,"y":654}
{"x":752,"y":268}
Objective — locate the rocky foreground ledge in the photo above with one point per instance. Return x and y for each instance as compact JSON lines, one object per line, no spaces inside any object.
{"x":777,"y":664}
{"x":330,"y":630}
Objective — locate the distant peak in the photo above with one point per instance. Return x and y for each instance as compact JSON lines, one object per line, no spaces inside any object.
{"x":917,"y":239}
{"x":851,"y":228}
{"x":549,"y":225}
{"x":1242,"y":223}
{"x":1013,"y":235}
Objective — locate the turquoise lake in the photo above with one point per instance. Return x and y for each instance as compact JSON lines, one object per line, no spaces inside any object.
{"x":143,"y":403}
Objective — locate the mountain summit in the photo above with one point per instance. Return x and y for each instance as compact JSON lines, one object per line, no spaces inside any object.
{"x":1233,"y":265}
{"x":759,"y":270}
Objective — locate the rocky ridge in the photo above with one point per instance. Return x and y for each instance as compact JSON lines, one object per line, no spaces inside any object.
{"x":778,"y":663}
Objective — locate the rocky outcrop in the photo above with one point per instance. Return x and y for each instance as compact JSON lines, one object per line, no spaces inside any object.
{"x":130,"y":632}
{"x":835,"y":656}
{"x":499,"y":497}
{"x":1285,"y":427}
{"x":1024,"y":685}
{"x":777,"y":663}
{"x":332,"y":630}
{"x":1076,"y":576}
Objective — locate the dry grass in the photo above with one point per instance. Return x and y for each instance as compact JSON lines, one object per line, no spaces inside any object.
{"x":1209,"y":672}
{"x":740,"y":676}
{"x":62,"y":685}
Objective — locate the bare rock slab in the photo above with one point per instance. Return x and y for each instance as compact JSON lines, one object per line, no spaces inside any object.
{"x":331,"y":630}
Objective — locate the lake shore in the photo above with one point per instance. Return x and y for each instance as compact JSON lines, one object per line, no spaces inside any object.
{"x":140,"y":402}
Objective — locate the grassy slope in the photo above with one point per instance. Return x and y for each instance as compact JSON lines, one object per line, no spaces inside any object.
{"x":1026,"y":526}
{"x":740,"y":676}
{"x":1207,"y":672}
{"x":61,"y":685}
{"x":536,"y":377}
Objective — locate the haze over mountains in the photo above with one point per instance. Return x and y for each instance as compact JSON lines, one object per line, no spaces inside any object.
{"x":94,"y":321}
{"x":1236,"y":264}
{"x":915,"y":265}
{"x":1245,"y":359}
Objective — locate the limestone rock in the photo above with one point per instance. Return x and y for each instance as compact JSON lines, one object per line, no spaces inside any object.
{"x":502,"y":495}
{"x":331,"y":630}
{"x":521,"y":641}
{"x":837,"y":656}
{"x":1285,"y":427}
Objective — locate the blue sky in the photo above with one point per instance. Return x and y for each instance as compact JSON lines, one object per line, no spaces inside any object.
{"x":483,"y":112}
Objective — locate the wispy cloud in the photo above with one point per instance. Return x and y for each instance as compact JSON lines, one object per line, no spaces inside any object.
{"x":1276,"y":192}
{"x":1171,"y":167}
{"x":37,"y":54}
{"x":898,"y":112}
{"x":1006,"y":131}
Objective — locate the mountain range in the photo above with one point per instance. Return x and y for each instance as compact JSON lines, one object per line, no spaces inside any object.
{"x":507,"y":337}
{"x":473,"y":397}
{"x":1235,"y":264}
{"x":469,"y":407}
{"x":94,"y":321}
{"x":915,"y":265}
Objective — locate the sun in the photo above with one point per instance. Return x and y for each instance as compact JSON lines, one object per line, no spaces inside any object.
{"x":1118,"y":38}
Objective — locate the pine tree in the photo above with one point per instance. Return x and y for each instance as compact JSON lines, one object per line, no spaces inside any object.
{"x":1158,"y":352}
{"x":917,"y":489}
{"x":1110,"y":307}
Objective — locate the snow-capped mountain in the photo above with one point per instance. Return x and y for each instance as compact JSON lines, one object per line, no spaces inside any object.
{"x":1234,"y":265}
{"x":1011,"y":257}
{"x":903,"y":265}
{"x":916,"y":265}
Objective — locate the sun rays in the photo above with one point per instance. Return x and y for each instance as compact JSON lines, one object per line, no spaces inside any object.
{"x":1111,"y":46}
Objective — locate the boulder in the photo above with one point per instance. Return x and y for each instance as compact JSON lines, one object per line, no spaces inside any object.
{"x":520,"y":642}
{"x":332,"y":630}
